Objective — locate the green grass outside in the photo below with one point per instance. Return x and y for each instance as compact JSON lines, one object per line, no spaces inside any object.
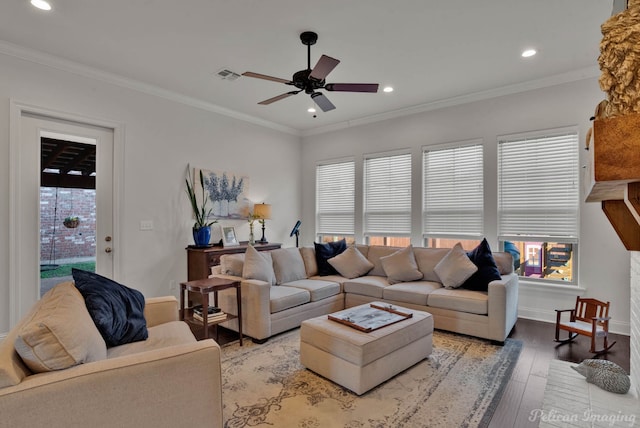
{"x":65,"y":270}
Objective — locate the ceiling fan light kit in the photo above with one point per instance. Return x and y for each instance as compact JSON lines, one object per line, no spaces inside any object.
{"x":311,"y":80}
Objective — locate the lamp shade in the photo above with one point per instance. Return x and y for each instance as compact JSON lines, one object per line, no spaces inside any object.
{"x":262,"y":211}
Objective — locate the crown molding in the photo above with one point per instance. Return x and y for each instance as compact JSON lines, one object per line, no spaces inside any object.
{"x":53,"y":61}
{"x":558,"y":79}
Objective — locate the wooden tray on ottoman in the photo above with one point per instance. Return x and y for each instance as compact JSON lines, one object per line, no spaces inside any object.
{"x":370,"y":318}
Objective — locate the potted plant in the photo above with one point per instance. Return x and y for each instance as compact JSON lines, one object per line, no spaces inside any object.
{"x":71,"y":222}
{"x":202,"y":225}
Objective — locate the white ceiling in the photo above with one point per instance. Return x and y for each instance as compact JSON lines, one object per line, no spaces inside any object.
{"x":432,"y":53}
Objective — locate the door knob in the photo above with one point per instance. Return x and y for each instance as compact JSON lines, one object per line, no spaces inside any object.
{"x":107,"y":250}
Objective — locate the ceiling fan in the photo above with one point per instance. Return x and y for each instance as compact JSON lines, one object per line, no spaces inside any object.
{"x":310,"y":80}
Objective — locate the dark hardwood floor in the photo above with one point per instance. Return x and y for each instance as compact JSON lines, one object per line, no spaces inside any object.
{"x":525,"y":390}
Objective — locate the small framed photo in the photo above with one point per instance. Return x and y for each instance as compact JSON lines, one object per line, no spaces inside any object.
{"x":229,"y":237}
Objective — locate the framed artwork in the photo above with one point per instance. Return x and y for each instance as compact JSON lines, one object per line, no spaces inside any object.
{"x":227,"y":193}
{"x":229,"y":237}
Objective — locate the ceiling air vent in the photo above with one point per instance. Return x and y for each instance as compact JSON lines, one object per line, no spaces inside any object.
{"x":226,"y":74}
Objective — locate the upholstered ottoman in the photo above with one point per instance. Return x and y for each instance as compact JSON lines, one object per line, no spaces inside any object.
{"x":358,"y":360}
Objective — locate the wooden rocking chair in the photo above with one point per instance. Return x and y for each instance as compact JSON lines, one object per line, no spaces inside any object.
{"x":589,"y":318}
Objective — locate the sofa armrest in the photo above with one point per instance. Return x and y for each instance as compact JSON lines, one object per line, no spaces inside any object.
{"x":174,"y":386}
{"x":160,"y":310}
{"x":503,"y":306}
{"x":256,"y":306}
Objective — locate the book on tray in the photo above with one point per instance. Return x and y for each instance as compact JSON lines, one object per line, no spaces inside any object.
{"x":212,"y":310}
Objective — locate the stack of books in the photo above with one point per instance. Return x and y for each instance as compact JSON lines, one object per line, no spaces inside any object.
{"x":213,"y":315}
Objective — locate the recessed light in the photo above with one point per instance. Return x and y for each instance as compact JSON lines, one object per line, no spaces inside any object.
{"x":387,"y":89}
{"x":311,"y":110}
{"x":41,"y":4}
{"x":528,"y":53}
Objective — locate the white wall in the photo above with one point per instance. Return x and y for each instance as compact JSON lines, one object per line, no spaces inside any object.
{"x":603,"y":261}
{"x":161,"y":137}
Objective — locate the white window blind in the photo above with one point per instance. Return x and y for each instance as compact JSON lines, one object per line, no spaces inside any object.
{"x":538,"y":187}
{"x":452,"y":182}
{"x":387,"y":199}
{"x":335,"y":196}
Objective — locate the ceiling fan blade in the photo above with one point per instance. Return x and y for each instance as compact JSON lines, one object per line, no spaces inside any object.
{"x":278,"y":98}
{"x":352,"y":87}
{"x":322,"y":101}
{"x":265,"y":77}
{"x":324,"y":66}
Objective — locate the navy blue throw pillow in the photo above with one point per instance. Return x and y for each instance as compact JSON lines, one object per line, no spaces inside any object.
{"x":324,"y":252}
{"x":117,"y":311}
{"x":487,"y":269}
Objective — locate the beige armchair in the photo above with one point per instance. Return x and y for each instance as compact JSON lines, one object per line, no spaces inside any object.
{"x":169,"y":380}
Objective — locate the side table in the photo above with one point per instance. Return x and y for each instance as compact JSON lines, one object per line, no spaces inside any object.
{"x":203,"y":287}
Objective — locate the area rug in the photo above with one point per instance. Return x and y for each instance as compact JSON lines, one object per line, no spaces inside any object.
{"x":460,"y":385}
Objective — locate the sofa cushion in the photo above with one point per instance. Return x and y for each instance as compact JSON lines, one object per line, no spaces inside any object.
{"x":401,"y":266}
{"x":232,"y":264}
{"x":60,"y":333}
{"x":258,"y":265}
{"x":288,"y":265}
{"x":160,"y":336}
{"x":375,"y":253}
{"x":324,"y":251}
{"x":351,"y":263}
{"x":310,"y":264}
{"x":487,"y":270}
{"x":318,"y":289}
{"x":455,"y":268}
{"x":366,"y":286}
{"x":460,"y":300}
{"x":284,"y":297}
{"x":415,"y":292}
{"x":117,"y":310}
{"x":427,"y":259}
{"x":333,"y":278}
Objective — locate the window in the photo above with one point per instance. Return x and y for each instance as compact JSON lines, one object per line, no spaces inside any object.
{"x":387,"y":198}
{"x":335,"y":196}
{"x":538,"y":203}
{"x":452,"y":203}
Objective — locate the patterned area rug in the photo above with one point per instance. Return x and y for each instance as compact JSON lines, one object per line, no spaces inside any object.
{"x":460,"y":385}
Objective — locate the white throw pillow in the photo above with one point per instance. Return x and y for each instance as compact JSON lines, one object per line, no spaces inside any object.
{"x":351,"y":263}
{"x":401,"y":266}
{"x":258,"y":265}
{"x":455,"y":268}
{"x":60,"y":333}
{"x":288,"y":265}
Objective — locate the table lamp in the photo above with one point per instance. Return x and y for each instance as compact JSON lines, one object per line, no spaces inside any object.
{"x":262,"y":212}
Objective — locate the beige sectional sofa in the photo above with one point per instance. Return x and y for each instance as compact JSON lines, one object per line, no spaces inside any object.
{"x":170,"y":379}
{"x":295,"y":292}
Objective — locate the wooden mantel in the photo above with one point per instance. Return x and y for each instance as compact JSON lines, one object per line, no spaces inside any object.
{"x":615,"y":175}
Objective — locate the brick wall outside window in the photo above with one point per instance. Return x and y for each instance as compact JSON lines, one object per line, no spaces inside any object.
{"x":69,"y":243}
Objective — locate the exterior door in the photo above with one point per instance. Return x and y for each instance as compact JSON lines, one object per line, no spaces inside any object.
{"x":32,"y":129}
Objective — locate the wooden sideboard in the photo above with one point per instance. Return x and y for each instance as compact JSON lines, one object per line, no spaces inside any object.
{"x":200,"y":260}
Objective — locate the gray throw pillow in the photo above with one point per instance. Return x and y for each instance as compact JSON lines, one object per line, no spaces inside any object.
{"x":288,"y":265}
{"x":605,"y":374}
{"x":401,"y":266}
{"x":455,"y":268}
{"x":258,"y":265}
{"x":351,"y":263}
{"x":232,"y":264}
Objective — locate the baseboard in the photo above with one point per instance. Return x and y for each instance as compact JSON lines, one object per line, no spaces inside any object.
{"x":536,"y":314}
